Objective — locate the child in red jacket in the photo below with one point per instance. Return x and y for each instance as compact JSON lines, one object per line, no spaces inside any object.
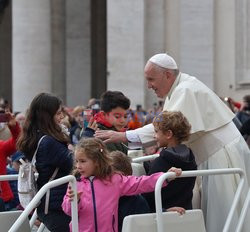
{"x":7,"y":148}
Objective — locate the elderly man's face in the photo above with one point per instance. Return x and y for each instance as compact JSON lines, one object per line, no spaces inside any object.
{"x":158,"y":79}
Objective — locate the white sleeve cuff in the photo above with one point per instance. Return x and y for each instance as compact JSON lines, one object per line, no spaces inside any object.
{"x":132,"y":136}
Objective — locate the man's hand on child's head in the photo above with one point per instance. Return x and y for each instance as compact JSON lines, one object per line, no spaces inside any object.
{"x":110,"y":136}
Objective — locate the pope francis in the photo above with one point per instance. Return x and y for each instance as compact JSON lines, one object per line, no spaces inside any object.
{"x":215,"y":141}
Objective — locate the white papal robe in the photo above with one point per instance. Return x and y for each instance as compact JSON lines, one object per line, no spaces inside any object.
{"x":216,"y":143}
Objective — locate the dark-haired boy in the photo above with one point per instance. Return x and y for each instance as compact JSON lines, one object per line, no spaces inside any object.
{"x":113,"y":116}
{"x":171,"y":129}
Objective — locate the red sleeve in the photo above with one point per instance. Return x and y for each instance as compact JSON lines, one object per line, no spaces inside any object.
{"x":8,"y":147}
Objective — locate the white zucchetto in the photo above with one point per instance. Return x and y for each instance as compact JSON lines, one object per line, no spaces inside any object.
{"x":164,"y":60}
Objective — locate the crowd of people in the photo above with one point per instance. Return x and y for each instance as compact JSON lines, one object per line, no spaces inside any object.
{"x":192,"y":129}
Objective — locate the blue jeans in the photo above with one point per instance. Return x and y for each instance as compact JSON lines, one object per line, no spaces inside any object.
{"x":2,"y":208}
{"x":10,"y":205}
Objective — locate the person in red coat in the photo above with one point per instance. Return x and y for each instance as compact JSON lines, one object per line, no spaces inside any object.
{"x":7,"y":148}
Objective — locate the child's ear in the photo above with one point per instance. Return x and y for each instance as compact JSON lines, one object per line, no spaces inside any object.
{"x":169,"y":134}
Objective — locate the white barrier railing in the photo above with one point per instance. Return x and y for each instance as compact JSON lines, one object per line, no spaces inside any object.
{"x":158,"y":203}
{"x":11,"y":177}
{"x":243,"y":213}
{"x":40,"y":194}
{"x":34,"y":215}
{"x":33,"y":219}
{"x":8,"y":177}
{"x":144,"y":158}
{"x":15,"y":177}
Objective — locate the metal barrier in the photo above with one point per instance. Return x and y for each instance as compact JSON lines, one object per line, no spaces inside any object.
{"x":15,"y":177}
{"x":158,"y":203}
{"x":167,"y":175}
{"x":8,"y":177}
{"x":243,"y":213}
{"x":39,"y":195}
{"x":145,"y":158}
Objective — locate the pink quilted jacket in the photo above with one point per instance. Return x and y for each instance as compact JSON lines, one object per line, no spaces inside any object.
{"x":98,"y":205}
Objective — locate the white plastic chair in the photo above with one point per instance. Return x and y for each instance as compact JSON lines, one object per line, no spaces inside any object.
{"x":192,"y":220}
{"x":8,"y":218}
{"x":137,"y":164}
{"x":135,"y":153}
{"x":138,"y":169}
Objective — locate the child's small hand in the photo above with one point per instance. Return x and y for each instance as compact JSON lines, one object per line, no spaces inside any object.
{"x":177,"y":171}
{"x":92,"y":124}
{"x":71,"y":194}
{"x":179,"y":210}
{"x":11,"y":119}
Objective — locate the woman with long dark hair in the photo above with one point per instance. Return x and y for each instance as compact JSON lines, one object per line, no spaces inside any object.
{"x":43,"y":118}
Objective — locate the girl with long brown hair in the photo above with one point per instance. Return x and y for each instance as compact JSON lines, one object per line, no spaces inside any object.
{"x":43,"y":118}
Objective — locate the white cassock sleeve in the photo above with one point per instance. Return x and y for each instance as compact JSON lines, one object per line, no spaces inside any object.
{"x":146,"y":135}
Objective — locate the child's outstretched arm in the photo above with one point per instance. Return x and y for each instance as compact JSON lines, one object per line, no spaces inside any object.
{"x":68,"y":198}
{"x":132,"y":185}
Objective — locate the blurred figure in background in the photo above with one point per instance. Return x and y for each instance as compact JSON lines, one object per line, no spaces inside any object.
{"x":134,"y":121}
{"x":7,"y":148}
{"x":91,"y":102}
{"x":4,"y":130}
{"x":244,"y":114}
{"x":75,"y":130}
{"x":233,"y":105}
{"x":244,"y":117}
{"x":12,"y":169}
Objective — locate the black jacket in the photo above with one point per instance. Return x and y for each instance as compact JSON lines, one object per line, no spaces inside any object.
{"x":179,"y":192}
{"x":50,"y":155}
{"x":130,"y":205}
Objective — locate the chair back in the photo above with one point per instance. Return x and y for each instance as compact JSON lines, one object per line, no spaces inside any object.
{"x":191,"y":221}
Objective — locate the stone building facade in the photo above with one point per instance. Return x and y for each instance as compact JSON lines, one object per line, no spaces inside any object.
{"x":79,"y":48}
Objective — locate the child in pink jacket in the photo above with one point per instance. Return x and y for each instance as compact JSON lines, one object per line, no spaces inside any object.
{"x":100,"y":188}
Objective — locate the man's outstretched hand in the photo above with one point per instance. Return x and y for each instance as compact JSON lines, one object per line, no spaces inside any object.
{"x":110,"y":136}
